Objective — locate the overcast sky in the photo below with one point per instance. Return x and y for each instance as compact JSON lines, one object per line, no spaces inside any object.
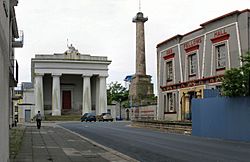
{"x":105,"y":28}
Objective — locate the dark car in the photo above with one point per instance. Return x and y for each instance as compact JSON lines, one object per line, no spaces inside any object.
{"x":83,"y":118}
{"x":88,"y":117}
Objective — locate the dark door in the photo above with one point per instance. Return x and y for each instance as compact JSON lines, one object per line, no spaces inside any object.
{"x":27,"y":115}
{"x":192,"y":95}
{"x":66,"y":100}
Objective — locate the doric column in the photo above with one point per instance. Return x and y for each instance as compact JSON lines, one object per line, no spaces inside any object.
{"x":140,"y":43}
{"x":86,"y":101}
{"x":187,"y":108}
{"x":102,"y":99}
{"x":56,"y":95}
{"x":97,"y":105}
{"x":39,"y":94}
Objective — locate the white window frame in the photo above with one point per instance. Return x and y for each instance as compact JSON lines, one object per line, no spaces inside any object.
{"x":223,"y":58}
{"x":214,"y":65}
{"x":170,"y":102}
{"x":168,"y":76}
{"x":192,"y":64}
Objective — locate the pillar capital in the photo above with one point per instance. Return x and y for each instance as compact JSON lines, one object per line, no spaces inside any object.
{"x":186,"y":95}
{"x":39,"y":74}
{"x":103,"y":76}
{"x":56,"y":74}
{"x":86,"y":75}
{"x":139,"y":18}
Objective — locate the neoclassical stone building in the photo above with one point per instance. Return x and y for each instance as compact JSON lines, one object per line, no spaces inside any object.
{"x":70,"y":82}
{"x":189,"y":64}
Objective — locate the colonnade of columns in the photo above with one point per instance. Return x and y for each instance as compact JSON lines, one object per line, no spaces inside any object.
{"x":100,"y":102}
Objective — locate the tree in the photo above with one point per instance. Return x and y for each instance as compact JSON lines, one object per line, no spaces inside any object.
{"x":116,"y":92}
{"x":233,"y":83}
{"x":246,"y":73}
{"x":236,"y":81}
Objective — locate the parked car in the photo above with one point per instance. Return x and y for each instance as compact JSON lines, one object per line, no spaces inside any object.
{"x":118,"y":118}
{"x":88,"y":117}
{"x":104,"y":117}
{"x":83,"y":118}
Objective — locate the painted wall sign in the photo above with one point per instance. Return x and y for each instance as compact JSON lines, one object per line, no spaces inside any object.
{"x":192,"y":43}
{"x":193,"y":83}
{"x":169,"y":51}
{"x":220,"y":35}
{"x":169,"y":54}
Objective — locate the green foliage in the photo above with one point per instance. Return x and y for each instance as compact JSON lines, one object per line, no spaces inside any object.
{"x":233,"y":83}
{"x":15,"y":138}
{"x":116,"y":92}
{"x":236,"y":81}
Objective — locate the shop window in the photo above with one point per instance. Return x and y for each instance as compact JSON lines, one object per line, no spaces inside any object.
{"x":192,"y":64}
{"x":220,"y":51}
{"x":169,"y":70}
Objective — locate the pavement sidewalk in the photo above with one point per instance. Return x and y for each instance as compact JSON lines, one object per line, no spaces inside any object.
{"x":57,"y":144}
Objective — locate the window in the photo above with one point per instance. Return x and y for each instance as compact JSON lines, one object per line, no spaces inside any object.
{"x":170,"y":100}
{"x":220,"y":51}
{"x":169,"y":65}
{"x":165,"y":101}
{"x":192,"y":62}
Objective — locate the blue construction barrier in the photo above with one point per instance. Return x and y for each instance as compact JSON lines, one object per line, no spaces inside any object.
{"x":222,"y":117}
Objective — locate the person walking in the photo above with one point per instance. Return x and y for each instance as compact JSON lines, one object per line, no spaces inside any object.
{"x":38,"y":120}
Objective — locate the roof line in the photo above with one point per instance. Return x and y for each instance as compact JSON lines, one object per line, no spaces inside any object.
{"x":203,"y":24}
{"x":174,"y":37}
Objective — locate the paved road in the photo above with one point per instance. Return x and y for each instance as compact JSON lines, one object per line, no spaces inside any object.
{"x":148,"y":146}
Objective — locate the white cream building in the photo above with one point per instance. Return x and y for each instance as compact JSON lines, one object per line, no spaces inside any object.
{"x":69,"y":82}
{"x":10,"y":38}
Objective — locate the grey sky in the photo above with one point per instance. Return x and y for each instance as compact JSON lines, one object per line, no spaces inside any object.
{"x":105,"y":28}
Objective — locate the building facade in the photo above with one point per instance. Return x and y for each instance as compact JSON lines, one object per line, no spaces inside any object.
{"x":70,"y":82}
{"x":24,"y":104}
{"x":188,"y":64}
{"x":9,"y":39}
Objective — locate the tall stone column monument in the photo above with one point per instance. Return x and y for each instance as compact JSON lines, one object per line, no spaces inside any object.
{"x":141,"y":88}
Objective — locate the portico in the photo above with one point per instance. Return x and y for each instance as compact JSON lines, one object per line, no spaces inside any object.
{"x":70,"y":83}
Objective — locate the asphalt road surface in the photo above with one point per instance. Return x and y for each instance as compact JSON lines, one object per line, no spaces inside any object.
{"x":154,"y":146}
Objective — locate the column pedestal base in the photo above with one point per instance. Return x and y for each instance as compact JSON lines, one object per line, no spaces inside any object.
{"x":56,"y":113}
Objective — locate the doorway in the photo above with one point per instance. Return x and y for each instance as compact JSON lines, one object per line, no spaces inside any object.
{"x":27,"y":115}
{"x":192,"y":94}
{"x":66,"y":100}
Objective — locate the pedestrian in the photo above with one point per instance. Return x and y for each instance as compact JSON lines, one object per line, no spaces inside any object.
{"x":38,"y":119}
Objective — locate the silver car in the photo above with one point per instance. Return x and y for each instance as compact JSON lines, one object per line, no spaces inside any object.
{"x":104,"y":117}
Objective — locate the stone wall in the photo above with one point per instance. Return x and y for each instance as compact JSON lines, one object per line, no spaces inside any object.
{"x":171,"y":127}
